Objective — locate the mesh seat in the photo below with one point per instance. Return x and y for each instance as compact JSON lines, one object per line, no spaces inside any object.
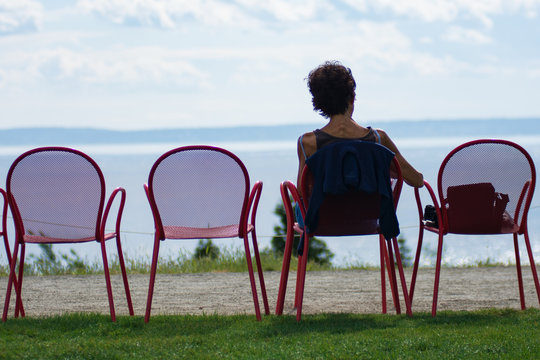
{"x":348,"y":214}
{"x":485,"y":187}
{"x":57,"y":195}
{"x":202,"y":192}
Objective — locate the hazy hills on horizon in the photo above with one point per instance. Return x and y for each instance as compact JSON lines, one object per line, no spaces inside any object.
{"x":409,"y":129}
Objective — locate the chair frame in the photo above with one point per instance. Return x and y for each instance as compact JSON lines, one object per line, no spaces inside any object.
{"x":288,"y":189}
{"x":100,"y":236}
{"x":524,"y":200}
{"x":250,"y":204}
{"x":4,"y":234}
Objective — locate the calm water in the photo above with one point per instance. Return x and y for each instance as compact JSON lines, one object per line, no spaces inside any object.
{"x":275,"y":161}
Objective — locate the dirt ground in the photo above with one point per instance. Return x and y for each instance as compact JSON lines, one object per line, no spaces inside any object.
{"x":355,"y":291}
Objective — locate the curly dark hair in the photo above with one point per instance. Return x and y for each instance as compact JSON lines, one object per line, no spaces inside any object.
{"x":332,"y":87}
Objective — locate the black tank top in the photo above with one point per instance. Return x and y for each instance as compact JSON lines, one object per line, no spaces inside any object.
{"x":322,"y":138}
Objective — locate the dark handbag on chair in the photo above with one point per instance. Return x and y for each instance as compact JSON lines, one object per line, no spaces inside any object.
{"x":430,"y":216}
{"x":475,"y":209}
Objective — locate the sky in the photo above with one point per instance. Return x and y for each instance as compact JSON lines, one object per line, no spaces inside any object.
{"x":143,"y":64}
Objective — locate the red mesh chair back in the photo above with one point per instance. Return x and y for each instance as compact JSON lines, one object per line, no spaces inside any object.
{"x":199,"y":187}
{"x":57,"y":193}
{"x":485,"y":187}
{"x":355,"y":213}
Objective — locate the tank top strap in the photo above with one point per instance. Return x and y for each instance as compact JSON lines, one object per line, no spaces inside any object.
{"x":377,"y":135}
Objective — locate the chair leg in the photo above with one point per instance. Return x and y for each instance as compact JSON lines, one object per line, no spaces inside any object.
{"x":298,"y":279}
{"x":437,"y":276}
{"x":519,"y":276}
{"x":18,"y":283}
{"x":252,"y":279}
{"x":15,"y":282}
{"x":533,"y":265}
{"x":284,"y":273}
{"x":124,"y":274}
{"x":10,"y":280}
{"x":153,"y":270}
{"x":392,"y":277}
{"x":301,"y":280}
{"x":260,"y":273}
{"x":416,"y":262}
{"x":108,"y":280}
{"x":402,"y":277}
{"x":382,"y":248}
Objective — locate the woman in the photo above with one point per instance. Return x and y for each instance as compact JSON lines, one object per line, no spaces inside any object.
{"x":332,"y":87}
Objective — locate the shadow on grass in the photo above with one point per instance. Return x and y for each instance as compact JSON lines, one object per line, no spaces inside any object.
{"x":194,"y":325}
{"x":345,"y":323}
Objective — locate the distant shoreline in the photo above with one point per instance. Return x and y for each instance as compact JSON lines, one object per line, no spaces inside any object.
{"x":422,"y":128}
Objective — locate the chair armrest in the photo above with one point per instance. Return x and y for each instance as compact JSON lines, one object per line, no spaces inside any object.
{"x":253,"y":204}
{"x":526,"y":195}
{"x":4,"y":225}
{"x":122,"y":192}
{"x":4,"y":214}
{"x":438,"y":211}
{"x":155,"y":214}
{"x":288,"y":189}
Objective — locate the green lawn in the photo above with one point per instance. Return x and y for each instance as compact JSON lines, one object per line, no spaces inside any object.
{"x":486,"y":334}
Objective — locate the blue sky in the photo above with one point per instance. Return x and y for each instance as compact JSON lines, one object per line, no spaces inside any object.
{"x":136,"y":64}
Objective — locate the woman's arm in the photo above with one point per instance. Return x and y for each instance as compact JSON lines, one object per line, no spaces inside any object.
{"x":410,"y":175}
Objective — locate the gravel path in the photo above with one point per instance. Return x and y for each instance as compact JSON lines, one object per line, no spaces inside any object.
{"x":229,"y":293}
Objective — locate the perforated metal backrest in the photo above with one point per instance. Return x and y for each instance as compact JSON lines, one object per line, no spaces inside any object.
{"x":57,"y":193}
{"x":199,"y":187}
{"x":355,"y":213}
{"x":505,"y":165}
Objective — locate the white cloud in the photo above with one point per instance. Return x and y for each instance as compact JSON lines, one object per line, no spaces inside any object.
{"x":171,"y":14}
{"x":381,"y":44}
{"x":449,"y":10}
{"x":382,"y":47}
{"x":289,"y":11}
{"x":365,"y":46}
{"x":466,"y":36}
{"x":427,"y":10}
{"x":141,"y":66}
{"x":368,"y":47}
{"x":20,"y":16}
{"x":426,"y":64}
{"x":534,"y":73}
{"x":166,"y":14}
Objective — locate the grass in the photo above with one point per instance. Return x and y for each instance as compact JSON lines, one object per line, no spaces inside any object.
{"x":451,"y":335}
{"x":228,"y":260}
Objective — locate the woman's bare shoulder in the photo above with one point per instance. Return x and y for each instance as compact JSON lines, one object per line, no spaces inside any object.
{"x":382,"y":133}
{"x":308,"y":142}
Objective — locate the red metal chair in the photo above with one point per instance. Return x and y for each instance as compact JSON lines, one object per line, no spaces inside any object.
{"x":203,"y":192}
{"x":57,"y":196}
{"x":485,"y":188}
{"x":355,"y":213}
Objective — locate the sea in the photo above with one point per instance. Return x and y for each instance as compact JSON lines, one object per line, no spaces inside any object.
{"x":269,"y":153}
